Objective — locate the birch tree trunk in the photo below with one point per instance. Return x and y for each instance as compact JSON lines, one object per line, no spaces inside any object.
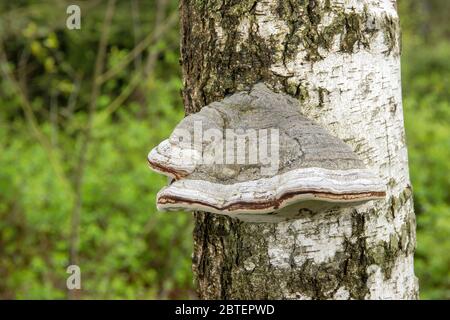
{"x":341,"y":59}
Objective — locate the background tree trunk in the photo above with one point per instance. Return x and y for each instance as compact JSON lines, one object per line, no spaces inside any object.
{"x":340,"y":58}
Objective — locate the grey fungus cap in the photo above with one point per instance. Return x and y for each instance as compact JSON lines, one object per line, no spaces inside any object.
{"x":254,"y":156}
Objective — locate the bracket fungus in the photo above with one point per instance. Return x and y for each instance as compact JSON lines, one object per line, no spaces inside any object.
{"x":255,"y":157}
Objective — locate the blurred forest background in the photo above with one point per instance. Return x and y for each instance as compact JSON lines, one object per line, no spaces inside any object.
{"x":80,"y":109}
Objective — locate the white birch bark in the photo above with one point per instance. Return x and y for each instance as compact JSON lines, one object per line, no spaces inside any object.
{"x":347,"y":76}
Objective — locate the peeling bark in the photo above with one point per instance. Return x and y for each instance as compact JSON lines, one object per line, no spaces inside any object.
{"x":341,"y":60}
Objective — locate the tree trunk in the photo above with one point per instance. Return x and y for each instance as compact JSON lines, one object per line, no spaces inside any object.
{"x":341,"y":59}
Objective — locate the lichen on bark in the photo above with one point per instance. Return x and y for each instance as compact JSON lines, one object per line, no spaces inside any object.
{"x":248,"y":276}
{"x":307,"y":32}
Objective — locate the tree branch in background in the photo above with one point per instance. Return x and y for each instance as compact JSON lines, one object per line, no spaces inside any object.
{"x":160,"y":30}
{"x":161,"y":7}
{"x":140,"y":76}
{"x":68,"y":111}
{"x":86,"y":139}
{"x":137,"y":31}
{"x":54,"y":118}
{"x":32,"y":121}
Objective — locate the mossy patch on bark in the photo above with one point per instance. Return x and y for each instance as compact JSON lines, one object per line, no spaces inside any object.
{"x":313,"y":26}
{"x":306,"y":27}
{"x":245,"y":276}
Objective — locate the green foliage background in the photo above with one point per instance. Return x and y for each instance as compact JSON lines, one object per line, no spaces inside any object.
{"x":126,"y":249}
